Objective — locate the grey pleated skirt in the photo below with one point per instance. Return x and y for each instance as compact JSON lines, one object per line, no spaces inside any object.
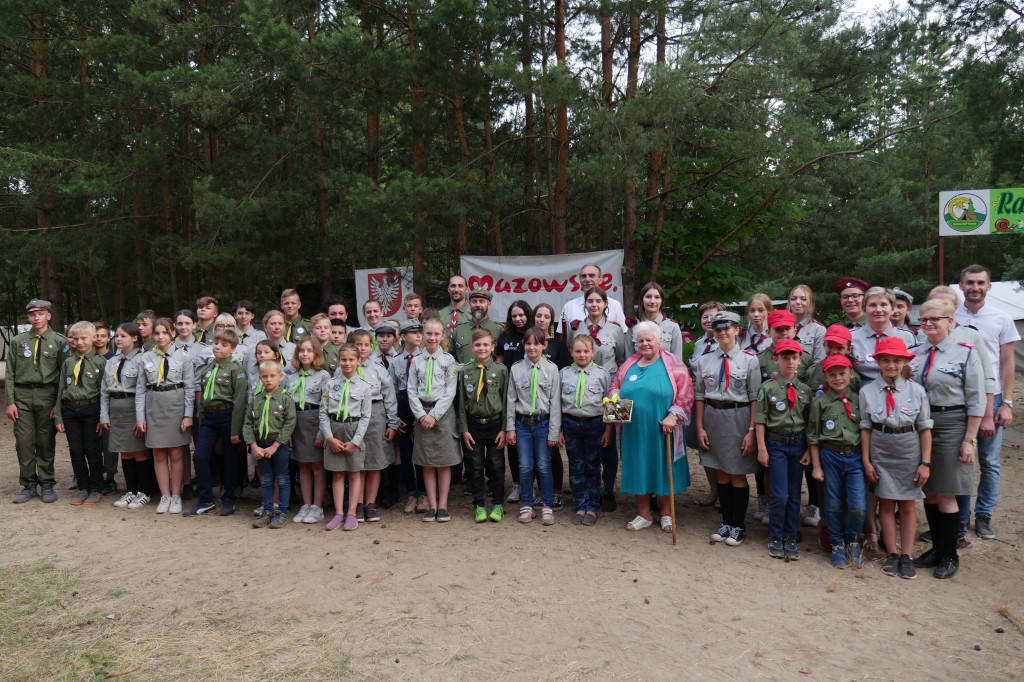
{"x":307,"y":429}
{"x":122,"y":426}
{"x":726,"y":429}
{"x":437,"y":447}
{"x":164,"y":412}
{"x":379,"y":453}
{"x":896,"y":457}
{"x":949,"y":476}
{"x":340,"y":461}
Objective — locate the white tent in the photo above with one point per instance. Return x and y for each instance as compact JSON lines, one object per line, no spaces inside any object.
{"x":1008,"y":297}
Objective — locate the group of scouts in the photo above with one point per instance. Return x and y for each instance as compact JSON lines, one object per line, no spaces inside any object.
{"x":872,"y":412}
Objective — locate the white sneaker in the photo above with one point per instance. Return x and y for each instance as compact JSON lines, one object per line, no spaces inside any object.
{"x":812,"y":516}
{"x":141,"y":500}
{"x":164,"y":505}
{"x":314,"y":515}
{"x":125,"y":500}
{"x":175,"y":504}
{"x":301,"y":516}
{"x":516,"y":494}
{"x":762,"y":507}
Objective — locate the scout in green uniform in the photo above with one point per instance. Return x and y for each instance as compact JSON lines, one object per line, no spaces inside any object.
{"x":296,"y":328}
{"x":339,"y":332}
{"x":457,"y":311}
{"x":144,"y":321}
{"x":781,"y":323}
{"x":221,"y":387}
{"x":269,"y":422}
{"x":833,"y":433}
{"x":207,"y":310}
{"x":33,"y":370}
{"x":783,"y":403}
{"x":78,"y":412}
{"x":838,"y":341}
{"x":480,"y":412}
{"x":479,"y":303}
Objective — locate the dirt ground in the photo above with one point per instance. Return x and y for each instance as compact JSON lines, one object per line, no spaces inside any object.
{"x":105,"y":592}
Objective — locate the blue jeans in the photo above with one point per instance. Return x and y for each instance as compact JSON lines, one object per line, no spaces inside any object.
{"x":844,"y":482}
{"x":532,"y":443}
{"x":583,"y":447}
{"x":988,"y":479}
{"x":787,"y":477}
{"x":216,"y":426}
{"x":275,"y":469}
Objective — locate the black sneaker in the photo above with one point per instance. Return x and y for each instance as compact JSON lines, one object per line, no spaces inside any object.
{"x":360,"y":513}
{"x":227,"y":507}
{"x":907,"y":570}
{"x":775,"y":548}
{"x":892,"y":565}
{"x":962,"y":542}
{"x":947,"y":568}
{"x":736,"y":537}
{"x":203,"y":508}
{"x":557,"y":503}
{"x":48,"y":494}
{"x":109,"y":487}
{"x":983,"y":527}
{"x":430,"y":516}
{"x":789,"y":547}
{"x":74,"y":483}
{"x":929,"y":559}
{"x":926,"y":536}
{"x":443,"y":516}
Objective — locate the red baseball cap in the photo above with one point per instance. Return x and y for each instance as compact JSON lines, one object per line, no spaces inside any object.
{"x":781,"y":318}
{"x":836,"y":361}
{"x":839,"y":334}
{"x":894,"y":346}
{"x":788,"y":345}
{"x":851,"y":283}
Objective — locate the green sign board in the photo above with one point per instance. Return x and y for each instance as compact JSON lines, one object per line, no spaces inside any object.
{"x":981,"y":212}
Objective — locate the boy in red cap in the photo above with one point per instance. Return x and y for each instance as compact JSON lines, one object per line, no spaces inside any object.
{"x":783,"y":404}
{"x":838,"y":341}
{"x":851,"y":297}
{"x":782,"y":325}
{"x":833,"y":434}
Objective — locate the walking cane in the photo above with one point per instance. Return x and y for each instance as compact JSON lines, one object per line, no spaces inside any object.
{"x":671,"y":486}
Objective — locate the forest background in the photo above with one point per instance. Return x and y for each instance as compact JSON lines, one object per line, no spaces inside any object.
{"x":155,"y":150}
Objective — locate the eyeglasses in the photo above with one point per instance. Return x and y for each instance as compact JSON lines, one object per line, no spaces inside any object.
{"x":851,"y":297}
{"x":931,"y":320}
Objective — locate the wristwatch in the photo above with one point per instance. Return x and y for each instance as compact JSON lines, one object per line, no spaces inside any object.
{"x":972,"y":441}
{"x":1008,"y":403}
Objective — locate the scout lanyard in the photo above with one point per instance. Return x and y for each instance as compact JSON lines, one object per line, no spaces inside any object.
{"x":210,"y":383}
{"x":343,"y":400}
{"x":455,"y":319}
{"x":301,"y":385}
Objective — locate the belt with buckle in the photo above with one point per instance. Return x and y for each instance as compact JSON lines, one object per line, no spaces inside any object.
{"x":947,"y":408}
{"x":311,"y":406}
{"x":120,"y":395}
{"x":531,"y":419}
{"x":893,"y":429}
{"x":841,"y":448}
{"x":215,"y":407}
{"x":167,"y":387}
{"x":581,"y":420}
{"x":80,"y":403}
{"x":785,"y":438}
{"x":481,"y":422}
{"x":339,"y":420}
{"x":725,"y":404}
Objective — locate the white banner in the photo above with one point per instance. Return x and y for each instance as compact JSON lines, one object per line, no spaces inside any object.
{"x":540,"y":279}
{"x":387,"y":286}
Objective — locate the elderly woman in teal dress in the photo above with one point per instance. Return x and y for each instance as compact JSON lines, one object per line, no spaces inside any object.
{"x":659,"y":385}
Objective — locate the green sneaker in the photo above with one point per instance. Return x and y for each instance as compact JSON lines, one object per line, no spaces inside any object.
{"x":497,"y":512}
{"x":481,"y":514}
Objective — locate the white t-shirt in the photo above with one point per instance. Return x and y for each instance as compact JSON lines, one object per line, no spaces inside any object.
{"x":996,"y":329}
{"x":575,"y":309}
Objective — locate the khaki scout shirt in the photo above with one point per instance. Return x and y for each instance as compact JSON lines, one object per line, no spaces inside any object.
{"x":34,"y":359}
{"x":87,"y":387}
{"x":774,"y":410}
{"x":829,"y":422}
{"x":226,"y":389}
{"x":280,"y":417}
{"x":481,"y":395}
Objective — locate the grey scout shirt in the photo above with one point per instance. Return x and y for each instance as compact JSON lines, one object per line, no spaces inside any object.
{"x":774,"y":409}
{"x":956,"y":375}
{"x":744,"y":376}
{"x":444,"y":380}
{"x":972,"y":337}
{"x":87,"y":387}
{"x":548,"y":400}
{"x":226,"y":388}
{"x":482,"y":392}
{"x":701,"y":347}
{"x":334,"y":400}
{"x":671,"y":335}
{"x":120,"y":375}
{"x":595,"y":380}
{"x":810,"y":334}
{"x":609,"y":342}
{"x":828,"y":421}
{"x":400,"y":369}
{"x":910,"y":405}
{"x":179,"y":371}
{"x":382,"y":391}
{"x":306,"y":387}
{"x":864,"y":341}
{"x":280,"y":417}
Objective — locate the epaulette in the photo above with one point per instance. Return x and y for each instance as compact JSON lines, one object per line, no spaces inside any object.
{"x":616,"y":324}
{"x":575,"y":324}
{"x":966,"y":345}
{"x":630,"y":322}
{"x":818,"y":322}
{"x":751,"y":354}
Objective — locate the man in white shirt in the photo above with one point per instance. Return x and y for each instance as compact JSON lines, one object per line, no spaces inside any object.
{"x":574,"y":308}
{"x":999,"y":334}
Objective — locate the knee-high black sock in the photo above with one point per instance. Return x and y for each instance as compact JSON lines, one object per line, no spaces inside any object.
{"x":129,"y":467}
{"x":759,"y":483}
{"x":725,"y":502}
{"x":740,"y":500}
{"x":147,"y":476}
{"x":950,"y":524}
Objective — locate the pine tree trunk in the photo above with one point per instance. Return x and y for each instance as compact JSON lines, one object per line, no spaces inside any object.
{"x":561,"y":173}
{"x":629,"y":207}
{"x":605,"y":219}
{"x":419,"y":154}
{"x":530,"y":170}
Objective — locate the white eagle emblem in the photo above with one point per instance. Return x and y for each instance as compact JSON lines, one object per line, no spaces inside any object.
{"x":386,"y":289}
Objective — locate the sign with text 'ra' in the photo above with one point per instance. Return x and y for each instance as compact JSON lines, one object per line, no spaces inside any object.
{"x":387,"y":286}
{"x":540,"y":279}
{"x":981,"y":212}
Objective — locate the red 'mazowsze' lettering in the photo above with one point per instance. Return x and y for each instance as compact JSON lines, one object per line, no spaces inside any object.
{"x":485,"y":282}
{"x":519,"y":285}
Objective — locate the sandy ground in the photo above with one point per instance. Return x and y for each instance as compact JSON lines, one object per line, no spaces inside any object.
{"x":101,"y":591}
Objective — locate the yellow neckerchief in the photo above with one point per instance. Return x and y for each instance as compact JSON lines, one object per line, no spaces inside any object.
{"x":163,"y":361}
{"x":480,"y":387}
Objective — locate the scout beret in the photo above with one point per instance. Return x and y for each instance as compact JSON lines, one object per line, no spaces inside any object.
{"x":38,"y":304}
{"x":724,"y":318}
{"x":481,"y":293}
{"x":781,"y":318}
{"x":851,"y":283}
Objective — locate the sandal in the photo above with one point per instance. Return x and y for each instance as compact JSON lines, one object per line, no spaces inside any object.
{"x":870,"y":542}
{"x":639,"y":523}
{"x":666,"y":523}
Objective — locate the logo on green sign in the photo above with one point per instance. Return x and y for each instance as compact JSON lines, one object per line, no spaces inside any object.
{"x":965,"y":212}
